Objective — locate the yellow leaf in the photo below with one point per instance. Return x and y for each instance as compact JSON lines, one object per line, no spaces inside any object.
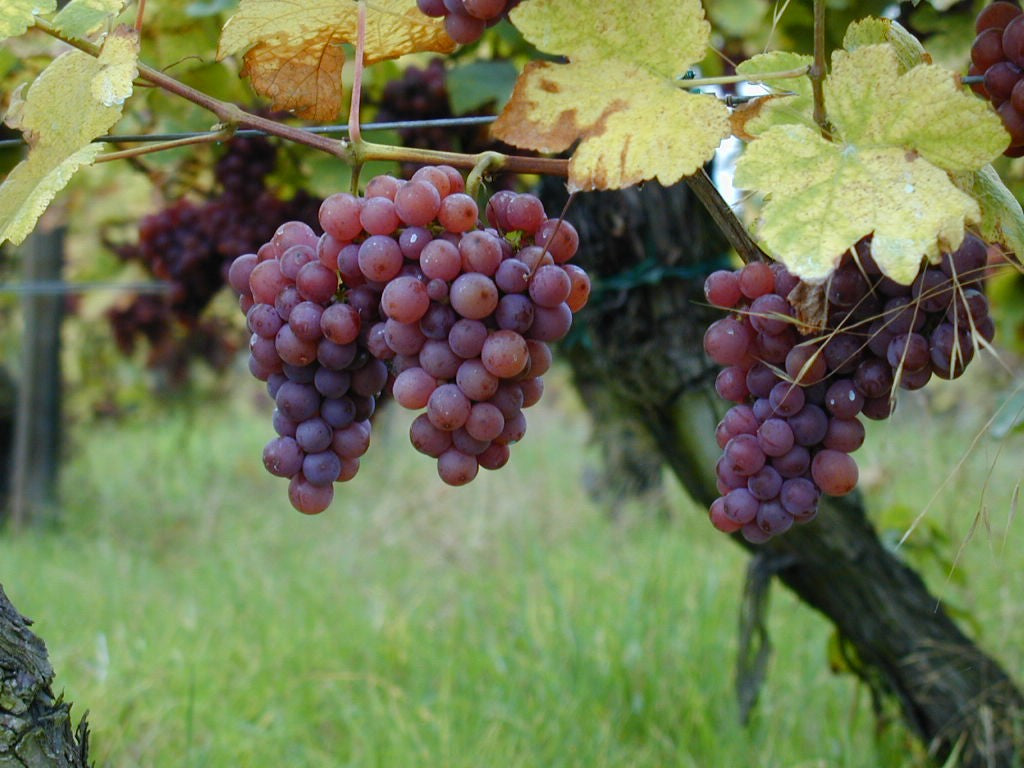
{"x":822,"y":197}
{"x":118,"y":61}
{"x":778,"y":110}
{"x":293,"y":52}
{"x":664,"y":36}
{"x":80,"y":18}
{"x":872,"y":31}
{"x":1002,"y":220}
{"x":59,"y":118}
{"x":621,"y":100}
{"x":29,"y":188}
{"x":922,"y":110}
{"x":16,"y":16}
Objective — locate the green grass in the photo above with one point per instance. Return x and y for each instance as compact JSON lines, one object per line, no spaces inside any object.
{"x":202,"y":622}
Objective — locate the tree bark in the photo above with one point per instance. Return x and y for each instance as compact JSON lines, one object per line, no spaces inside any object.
{"x":35,"y":727}
{"x":640,"y":339}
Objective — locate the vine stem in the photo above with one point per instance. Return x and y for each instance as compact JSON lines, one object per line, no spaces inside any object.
{"x":819,"y":68}
{"x":724,"y":217}
{"x":125,"y":154}
{"x":138,"y":16}
{"x":753,"y":77}
{"x":489,"y":161}
{"x":354,"y":132}
{"x":232,"y":115}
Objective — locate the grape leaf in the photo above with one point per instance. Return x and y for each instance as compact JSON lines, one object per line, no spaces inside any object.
{"x":620,"y":99}
{"x":80,"y":18}
{"x":924,"y":109}
{"x":737,"y":18}
{"x":16,"y":16}
{"x":1002,"y":220}
{"x":874,"y":31}
{"x":896,"y":133}
{"x":822,"y":197}
{"x":118,"y":61}
{"x":293,"y":50}
{"x":776,"y":109}
{"x":57,"y":146}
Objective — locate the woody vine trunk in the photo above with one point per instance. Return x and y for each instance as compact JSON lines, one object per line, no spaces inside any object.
{"x":640,"y":342}
{"x":35,"y":726}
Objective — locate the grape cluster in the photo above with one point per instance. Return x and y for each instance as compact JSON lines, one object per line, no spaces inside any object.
{"x":466,"y":20}
{"x":798,"y":397}
{"x":306,"y":346}
{"x":190,"y":244}
{"x":459,"y":316}
{"x":998,"y":54}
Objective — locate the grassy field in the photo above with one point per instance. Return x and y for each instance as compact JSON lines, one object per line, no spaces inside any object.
{"x":202,"y":622}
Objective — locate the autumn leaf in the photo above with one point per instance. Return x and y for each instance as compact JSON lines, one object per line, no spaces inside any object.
{"x":791,"y":99}
{"x":57,"y":146}
{"x":897,"y":133}
{"x":293,"y":50}
{"x":619,"y":99}
{"x":16,"y":16}
{"x":822,"y":197}
{"x":80,"y":18}
{"x":118,"y":61}
{"x":924,"y":109}
{"x":874,"y":31}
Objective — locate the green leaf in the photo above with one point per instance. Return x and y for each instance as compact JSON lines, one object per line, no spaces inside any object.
{"x":16,"y":16}
{"x":822,"y":197}
{"x":479,"y":83}
{"x":922,"y":110}
{"x":58,"y":146}
{"x":1002,"y":220}
{"x":875,"y":31}
{"x":1010,"y":417}
{"x":738,"y":18}
{"x":80,"y":18}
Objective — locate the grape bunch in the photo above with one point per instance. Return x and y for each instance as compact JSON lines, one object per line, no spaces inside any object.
{"x":798,"y":397}
{"x":190,"y":244}
{"x":458,"y":316}
{"x":466,"y":20}
{"x":306,"y":346}
{"x":998,"y":54}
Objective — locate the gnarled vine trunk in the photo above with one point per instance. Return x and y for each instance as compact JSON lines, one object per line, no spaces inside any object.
{"x":35,"y":727}
{"x":640,"y":339}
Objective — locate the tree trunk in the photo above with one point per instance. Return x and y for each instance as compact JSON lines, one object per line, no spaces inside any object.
{"x":640,"y":339}
{"x":35,"y":728}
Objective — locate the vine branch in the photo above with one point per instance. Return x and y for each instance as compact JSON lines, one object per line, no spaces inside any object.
{"x":819,"y":68}
{"x":233,"y":115}
{"x":145,"y":149}
{"x":724,"y":217}
{"x":753,"y":77}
